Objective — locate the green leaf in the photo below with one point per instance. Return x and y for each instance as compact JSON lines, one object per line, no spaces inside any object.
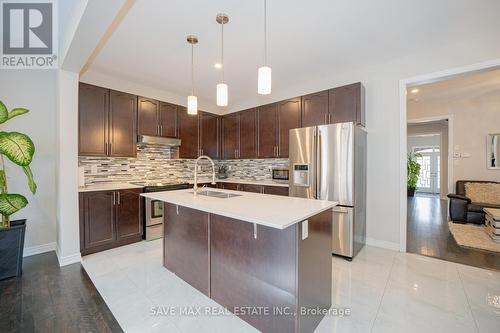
{"x":4,"y":113}
{"x":17,"y":112}
{"x":31,"y":182}
{"x":11,"y":203}
{"x":17,"y":147}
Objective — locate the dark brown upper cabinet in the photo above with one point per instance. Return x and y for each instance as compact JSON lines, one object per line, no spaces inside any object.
{"x":188,"y":133}
{"x":288,"y":114}
{"x":93,"y":105}
{"x":122,"y":124}
{"x":209,"y":135}
{"x":168,"y":120}
{"x":315,"y":109}
{"x":230,"y":136}
{"x":107,"y":122}
{"x":248,"y":134}
{"x":267,"y":131}
{"x":346,"y":104}
{"x":148,"y":116}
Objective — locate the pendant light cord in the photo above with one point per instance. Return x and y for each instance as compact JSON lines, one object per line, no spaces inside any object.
{"x":222,"y":51}
{"x":192,"y":69}
{"x":265,"y":32}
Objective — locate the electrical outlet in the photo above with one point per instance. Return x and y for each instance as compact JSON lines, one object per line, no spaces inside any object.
{"x":465,"y":155}
{"x":305,"y":229}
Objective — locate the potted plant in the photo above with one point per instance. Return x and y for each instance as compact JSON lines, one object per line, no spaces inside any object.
{"x":413,"y":170}
{"x":19,"y":149}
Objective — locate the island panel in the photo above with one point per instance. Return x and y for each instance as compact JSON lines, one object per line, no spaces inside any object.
{"x":186,"y":245}
{"x":254,"y":272}
{"x":315,"y":269}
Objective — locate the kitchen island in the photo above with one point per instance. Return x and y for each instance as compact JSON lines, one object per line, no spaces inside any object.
{"x":266,"y":258}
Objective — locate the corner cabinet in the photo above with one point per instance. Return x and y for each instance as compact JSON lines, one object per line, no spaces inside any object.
{"x":93,"y":105}
{"x":230,"y":136}
{"x":109,"y":219}
{"x":209,"y":135}
{"x":188,"y":133}
{"x":347,"y":104}
{"x":107,"y":122}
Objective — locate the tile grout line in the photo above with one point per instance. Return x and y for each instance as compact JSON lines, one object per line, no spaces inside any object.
{"x":383,"y":293}
{"x":467,"y":297}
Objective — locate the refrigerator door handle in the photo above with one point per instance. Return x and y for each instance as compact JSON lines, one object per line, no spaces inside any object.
{"x":319,"y":166}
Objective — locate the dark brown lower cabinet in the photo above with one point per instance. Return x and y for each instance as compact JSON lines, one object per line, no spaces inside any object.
{"x":109,"y":219}
{"x":239,"y":264}
{"x":250,"y":188}
{"x":276,"y":190}
{"x":229,"y":186}
{"x":186,"y":246}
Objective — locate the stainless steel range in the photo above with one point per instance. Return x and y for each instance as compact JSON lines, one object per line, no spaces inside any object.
{"x":153,"y":226}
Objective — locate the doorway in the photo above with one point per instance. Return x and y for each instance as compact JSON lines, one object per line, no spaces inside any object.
{"x":435,"y":112}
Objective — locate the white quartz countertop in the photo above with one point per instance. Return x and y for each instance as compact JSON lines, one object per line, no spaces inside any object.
{"x":269,"y":210}
{"x":108,"y":187}
{"x":240,"y":181}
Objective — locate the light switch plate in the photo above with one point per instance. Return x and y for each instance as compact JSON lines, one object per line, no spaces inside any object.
{"x":305,"y":229}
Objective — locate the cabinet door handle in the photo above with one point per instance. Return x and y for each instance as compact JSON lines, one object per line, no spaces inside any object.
{"x":326,"y":118}
{"x":114,"y":198}
{"x":329,"y":118}
{"x":110,"y":149}
{"x":118,"y":194}
{"x":161,"y":130}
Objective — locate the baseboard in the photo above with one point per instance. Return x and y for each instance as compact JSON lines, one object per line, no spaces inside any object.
{"x":383,"y":244}
{"x":67,"y":260}
{"x":32,"y":250}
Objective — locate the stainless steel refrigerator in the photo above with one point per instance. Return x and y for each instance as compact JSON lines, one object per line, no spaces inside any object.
{"x":329,"y":162}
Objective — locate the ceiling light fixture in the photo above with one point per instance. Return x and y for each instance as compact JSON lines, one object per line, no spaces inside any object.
{"x":415,"y":91}
{"x":222,"y":94}
{"x":192,"y":100}
{"x":217,"y":65}
{"x":264,"y":73}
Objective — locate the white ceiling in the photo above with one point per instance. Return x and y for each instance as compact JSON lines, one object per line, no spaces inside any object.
{"x":307,"y":39}
{"x":471,"y":85}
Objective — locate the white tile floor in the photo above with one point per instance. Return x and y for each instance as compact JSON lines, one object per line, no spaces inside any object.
{"x":387,"y":292}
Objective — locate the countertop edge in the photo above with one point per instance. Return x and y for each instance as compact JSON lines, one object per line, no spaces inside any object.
{"x":330,"y":205}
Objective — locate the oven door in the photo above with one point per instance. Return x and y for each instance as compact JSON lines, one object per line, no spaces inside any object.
{"x":154,"y":212}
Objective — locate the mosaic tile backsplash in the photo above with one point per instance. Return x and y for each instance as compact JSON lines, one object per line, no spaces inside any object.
{"x":154,"y":163}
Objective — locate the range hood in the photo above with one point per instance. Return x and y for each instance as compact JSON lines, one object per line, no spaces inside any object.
{"x":158,"y":140}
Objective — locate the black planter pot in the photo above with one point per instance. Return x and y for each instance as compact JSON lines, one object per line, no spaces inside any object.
{"x":410,"y":192}
{"x":11,"y":249}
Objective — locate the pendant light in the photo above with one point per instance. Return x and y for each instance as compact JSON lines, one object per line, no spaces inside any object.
{"x":192,"y":100}
{"x":222,"y":94}
{"x":264,"y":73}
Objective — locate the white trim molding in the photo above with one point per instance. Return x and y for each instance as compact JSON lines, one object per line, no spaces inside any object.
{"x":67,"y":260}
{"x":382,"y":244}
{"x":33,"y":250}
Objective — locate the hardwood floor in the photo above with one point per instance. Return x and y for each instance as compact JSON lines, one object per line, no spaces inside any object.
{"x":48,"y":298}
{"x":428,"y":234}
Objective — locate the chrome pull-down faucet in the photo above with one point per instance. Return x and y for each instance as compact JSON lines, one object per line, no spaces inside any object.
{"x":195,"y":186}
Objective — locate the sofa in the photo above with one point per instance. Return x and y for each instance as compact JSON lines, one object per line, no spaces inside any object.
{"x":471,"y":196}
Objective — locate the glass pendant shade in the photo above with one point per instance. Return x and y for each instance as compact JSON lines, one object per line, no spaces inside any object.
{"x":192,"y":105}
{"x":222,"y":95}
{"x":264,"y":80}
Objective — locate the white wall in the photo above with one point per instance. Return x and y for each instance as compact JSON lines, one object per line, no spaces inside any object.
{"x":108,"y":81}
{"x":474,"y":118}
{"x":35,"y":90}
